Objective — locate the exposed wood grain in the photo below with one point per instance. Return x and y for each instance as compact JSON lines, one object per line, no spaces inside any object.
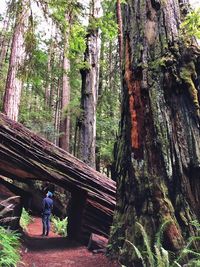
{"x":24,"y":155}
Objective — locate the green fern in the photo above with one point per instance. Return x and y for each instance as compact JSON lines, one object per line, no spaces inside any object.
{"x":60,"y":226}
{"x":25,"y":219}
{"x":137,"y":252}
{"x":9,"y":246}
{"x":9,"y":240}
{"x":147,"y":244}
{"x":157,"y":256}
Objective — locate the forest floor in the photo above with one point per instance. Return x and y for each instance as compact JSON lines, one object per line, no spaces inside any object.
{"x":56,"y":251}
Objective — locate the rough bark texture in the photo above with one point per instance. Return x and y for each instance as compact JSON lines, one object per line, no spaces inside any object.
{"x":49,"y":69}
{"x":10,"y":210}
{"x":158,"y":151}
{"x":120,"y":31}
{"x":25,"y":156}
{"x":14,"y":83}
{"x":64,"y":139}
{"x":97,"y":243}
{"x":90,"y":83}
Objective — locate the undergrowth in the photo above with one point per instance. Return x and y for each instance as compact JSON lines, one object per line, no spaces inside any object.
{"x":25,"y":219}
{"x":9,"y":247}
{"x":9,"y":240}
{"x":59,"y":225}
{"x":158,"y":256}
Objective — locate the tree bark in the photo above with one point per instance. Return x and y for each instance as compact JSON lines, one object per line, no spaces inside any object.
{"x":25,"y":156}
{"x":90,"y":83}
{"x":14,"y":83}
{"x":49,"y":69}
{"x":158,"y":151}
{"x":64,"y":140}
{"x":120,"y":32}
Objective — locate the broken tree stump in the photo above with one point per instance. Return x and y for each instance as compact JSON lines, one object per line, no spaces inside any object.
{"x":97,"y":243}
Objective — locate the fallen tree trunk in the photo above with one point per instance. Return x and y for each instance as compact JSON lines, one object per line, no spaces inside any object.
{"x":24,"y":155}
{"x":97,"y":243}
{"x":10,"y":208}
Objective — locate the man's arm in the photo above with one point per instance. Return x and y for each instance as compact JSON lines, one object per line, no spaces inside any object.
{"x":43,"y":205}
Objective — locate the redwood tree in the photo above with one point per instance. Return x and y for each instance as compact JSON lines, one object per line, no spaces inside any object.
{"x":90,"y":83}
{"x":158,"y":151}
{"x":65,"y":118}
{"x":14,"y":83}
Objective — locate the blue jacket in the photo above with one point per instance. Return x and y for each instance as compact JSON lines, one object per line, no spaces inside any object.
{"x":47,"y":205}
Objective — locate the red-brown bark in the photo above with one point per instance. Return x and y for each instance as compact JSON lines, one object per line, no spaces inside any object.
{"x":24,"y":156}
{"x":14,"y":83}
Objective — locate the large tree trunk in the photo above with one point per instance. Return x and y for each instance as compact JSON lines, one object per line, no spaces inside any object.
{"x":158,"y":152}
{"x":90,"y":83}
{"x":25,"y":156}
{"x":14,"y":83}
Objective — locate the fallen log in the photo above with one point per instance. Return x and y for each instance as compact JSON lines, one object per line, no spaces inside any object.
{"x":25,"y":155}
{"x":10,"y":208}
{"x":97,"y":243}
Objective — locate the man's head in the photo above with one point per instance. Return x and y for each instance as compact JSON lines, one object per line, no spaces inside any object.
{"x":49,"y":194}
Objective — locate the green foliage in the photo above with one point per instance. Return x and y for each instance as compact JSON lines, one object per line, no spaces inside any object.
{"x":77,"y":40}
{"x":196,"y":224}
{"x":59,"y":225}
{"x":9,"y":240}
{"x":191,"y":25}
{"x":25,"y":219}
{"x":157,"y":256}
{"x":109,"y":25}
{"x":59,"y":9}
{"x":9,"y":248}
{"x":108,"y":113}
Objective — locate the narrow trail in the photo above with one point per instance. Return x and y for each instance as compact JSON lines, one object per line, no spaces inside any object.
{"x":56,"y":251}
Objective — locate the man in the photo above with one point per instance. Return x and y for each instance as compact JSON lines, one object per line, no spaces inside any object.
{"x":47,"y":206}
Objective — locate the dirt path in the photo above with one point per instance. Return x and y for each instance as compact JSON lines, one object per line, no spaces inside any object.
{"x":55,"y":251}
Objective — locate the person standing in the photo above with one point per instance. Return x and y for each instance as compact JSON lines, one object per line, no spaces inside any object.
{"x":47,"y":206}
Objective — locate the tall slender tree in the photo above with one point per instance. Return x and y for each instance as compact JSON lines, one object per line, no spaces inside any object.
{"x":64,"y":140}
{"x":120,"y":32}
{"x":14,"y":83}
{"x":4,"y":41}
{"x":158,"y":151}
{"x":90,"y":83}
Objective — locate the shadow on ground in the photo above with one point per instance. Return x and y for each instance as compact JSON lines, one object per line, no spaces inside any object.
{"x":43,"y":242}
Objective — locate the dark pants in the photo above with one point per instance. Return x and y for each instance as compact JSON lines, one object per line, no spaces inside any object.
{"x":46,"y":223}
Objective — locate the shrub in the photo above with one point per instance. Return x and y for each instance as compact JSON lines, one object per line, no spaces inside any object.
{"x":9,"y":240}
{"x":9,"y":248}
{"x":59,"y":226}
{"x":25,"y":219}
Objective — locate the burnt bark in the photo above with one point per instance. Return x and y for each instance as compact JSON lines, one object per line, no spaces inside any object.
{"x":158,"y":151}
{"x":25,"y":156}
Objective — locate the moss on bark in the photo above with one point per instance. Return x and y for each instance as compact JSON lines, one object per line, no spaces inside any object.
{"x":160,"y":184}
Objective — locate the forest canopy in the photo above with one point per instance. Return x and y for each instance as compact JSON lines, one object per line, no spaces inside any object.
{"x":117,"y":85}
